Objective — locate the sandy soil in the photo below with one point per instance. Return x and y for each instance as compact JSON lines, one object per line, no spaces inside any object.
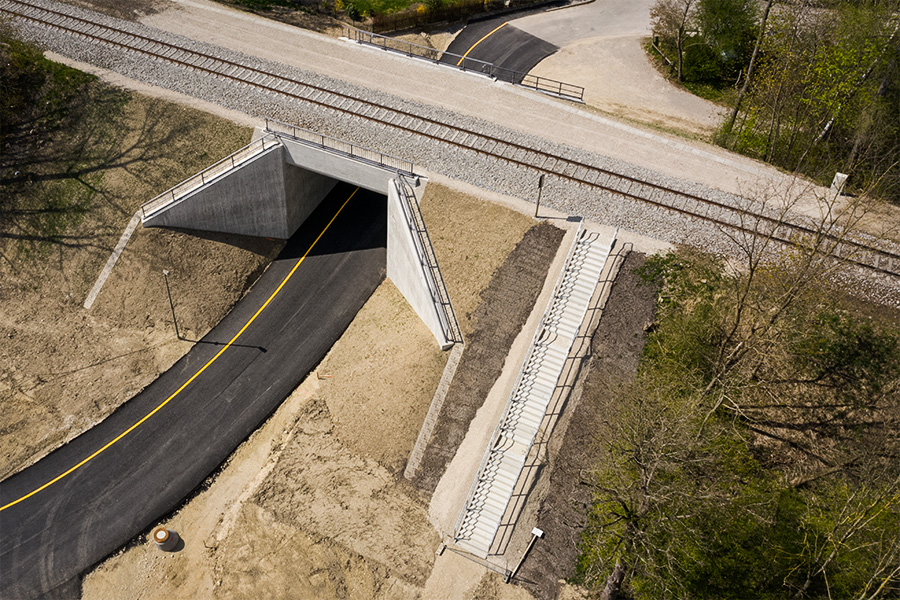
{"x":313,"y":505}
{"x":66,"y":368}
{"x":376,"y":377}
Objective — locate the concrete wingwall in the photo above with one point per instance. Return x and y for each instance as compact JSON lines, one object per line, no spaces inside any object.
{"x":406,"y":270}
{"x":265,"y":197}
{"x":271,"y":194}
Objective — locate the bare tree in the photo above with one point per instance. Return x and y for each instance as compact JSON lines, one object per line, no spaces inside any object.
{"x":750,"y":67}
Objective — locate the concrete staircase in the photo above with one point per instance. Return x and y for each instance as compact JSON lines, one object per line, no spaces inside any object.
{"x":505,"y":458}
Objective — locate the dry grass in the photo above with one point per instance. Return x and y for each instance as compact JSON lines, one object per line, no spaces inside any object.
{"x":67,"y":367}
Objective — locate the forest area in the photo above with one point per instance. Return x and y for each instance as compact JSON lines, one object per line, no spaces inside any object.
{"x":813,"y":86}
{"x":755,"y":454}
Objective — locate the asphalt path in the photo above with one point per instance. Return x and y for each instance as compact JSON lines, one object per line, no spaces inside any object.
{"x":47,"y":540}
{"x":512,"y":51}
{"x":602,"y":19}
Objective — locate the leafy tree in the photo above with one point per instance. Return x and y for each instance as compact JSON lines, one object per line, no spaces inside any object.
{"x":728,"y":27}
{"x":823,"y":94}
{"x":756,"y":454}
{"x":670,"y":21}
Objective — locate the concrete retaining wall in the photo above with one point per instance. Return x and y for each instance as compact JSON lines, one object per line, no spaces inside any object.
{"x":265,"y":197}
{"x":405,"y":269}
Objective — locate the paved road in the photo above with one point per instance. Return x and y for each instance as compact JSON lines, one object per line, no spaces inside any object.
{"x":495,"y":41}
{"x":598,"y":19}
{"x":51,"y":537}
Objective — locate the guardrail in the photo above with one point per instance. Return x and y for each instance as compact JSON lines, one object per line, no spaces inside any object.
{"x":465,"y":63}
{"x":342,"y":147}
{"x":208,"y":174}
{"x":428,"y":260}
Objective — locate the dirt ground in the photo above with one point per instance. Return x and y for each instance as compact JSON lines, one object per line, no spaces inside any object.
{"x":615,"y":349}
{"x":313,"y":505}
{"x":66,"y":368}
{"x":505,"y":305}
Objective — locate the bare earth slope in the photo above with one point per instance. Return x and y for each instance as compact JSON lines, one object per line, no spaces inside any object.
{"x":66,"y":368}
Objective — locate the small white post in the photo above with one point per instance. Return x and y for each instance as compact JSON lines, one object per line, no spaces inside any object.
{"x":535,"y":534}
{"x":837,"y":184}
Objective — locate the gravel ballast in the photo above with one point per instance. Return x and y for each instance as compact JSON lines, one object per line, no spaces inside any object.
{"x":454,"y":162}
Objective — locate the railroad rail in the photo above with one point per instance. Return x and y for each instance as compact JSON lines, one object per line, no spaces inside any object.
{"x":884,"y":260}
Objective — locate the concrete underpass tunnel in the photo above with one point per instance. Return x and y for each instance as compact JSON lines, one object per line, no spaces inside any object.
{"x":270,"y":188}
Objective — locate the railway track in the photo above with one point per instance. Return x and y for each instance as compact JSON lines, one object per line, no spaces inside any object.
{"x":879,"y":259}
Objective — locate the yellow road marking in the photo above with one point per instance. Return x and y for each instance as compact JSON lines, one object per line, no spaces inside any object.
{"x":195,"y":375}
{"x":479,"y":41}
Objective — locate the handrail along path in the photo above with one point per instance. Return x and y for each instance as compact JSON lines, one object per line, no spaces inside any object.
{"x":878,"y":259}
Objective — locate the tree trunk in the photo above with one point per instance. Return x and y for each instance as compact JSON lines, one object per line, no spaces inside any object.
{"x":746,"y":86}
{"x":614,"y":582}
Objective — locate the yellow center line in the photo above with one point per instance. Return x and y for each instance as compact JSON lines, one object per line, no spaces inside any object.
{"x":195,"y":375}
{"x":479,"y":41}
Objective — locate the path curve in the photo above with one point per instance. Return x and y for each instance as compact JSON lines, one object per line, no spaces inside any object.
{"x":304,"y":302}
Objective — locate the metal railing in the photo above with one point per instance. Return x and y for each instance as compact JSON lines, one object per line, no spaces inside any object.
{"x":509,"y":402}
{"x":280,"y":128}
{"x":435,"y":280}
{"x":465,"y":63}
{"x":208,"y":174}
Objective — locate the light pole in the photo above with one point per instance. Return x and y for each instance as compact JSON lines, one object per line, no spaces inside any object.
{"x":535,"y":534}
{"x":540,"y":189}
{"x":171,"y":304}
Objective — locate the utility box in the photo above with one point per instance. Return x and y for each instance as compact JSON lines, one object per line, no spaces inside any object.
{"x":837,"y":184}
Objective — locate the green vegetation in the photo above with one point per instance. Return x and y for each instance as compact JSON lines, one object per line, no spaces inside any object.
{"x":57,"y":128}
{"x":816,"y":88}
{"x":756,"y":453}
{"x":77,"y":156}
{"x":710,"y":40}
{"x":825,"y":96}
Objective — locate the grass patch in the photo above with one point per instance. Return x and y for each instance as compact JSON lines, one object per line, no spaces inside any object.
{"x":70,"y":143}
{"x":58,"y":131}
{"x":714,"y":93}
